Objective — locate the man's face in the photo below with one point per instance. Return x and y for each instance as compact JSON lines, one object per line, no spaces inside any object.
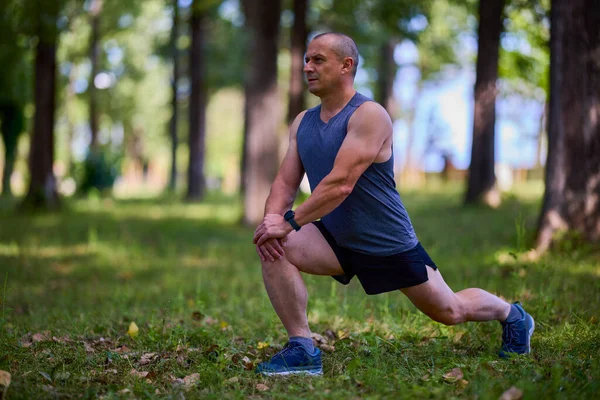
{"x":322,"y":67}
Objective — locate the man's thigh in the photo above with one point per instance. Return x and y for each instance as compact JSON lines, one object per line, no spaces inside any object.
{"x":432,"y":296}
{"x":309,"y":251}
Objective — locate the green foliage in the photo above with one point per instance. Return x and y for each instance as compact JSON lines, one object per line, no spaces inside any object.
{"x":99,"y":171}
{"x":190,"y":279}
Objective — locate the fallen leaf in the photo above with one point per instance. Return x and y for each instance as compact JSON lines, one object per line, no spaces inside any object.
{"x":133,"y":330}
{"x":262,"y":345}
{"x":224,"y":325}
{"x":454,"y":375}
{"x":262,"y":387}
{"x":248,"y":364}
{"x":513,"y":393}
{"x":41,"y":337}
{"x":121,"y":349}
{"x":111,"y":371}
{"x":327,"y":348}
{"x":124,"y":391}
{"x":331,"y":335}
{"x":235,"y":379}
{"x":4,"y":379}
{"x":62,"y":340}
{"x":148,"y":358}
{"x":191,"y":380}
{"x":318,"y":339}
{"x":210,"y":321}
{"x":197,"y":316}
{"x":26,"y":341}
{"x":425,"y":377}
{"x":88,"y":348}
{"x":46,"y":376}
{"x":139,"y":374}
{"x":463,"y":383}
{"x":62,"y":376}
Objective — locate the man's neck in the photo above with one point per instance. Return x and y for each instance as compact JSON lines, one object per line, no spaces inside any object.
{"x":333,"y":103}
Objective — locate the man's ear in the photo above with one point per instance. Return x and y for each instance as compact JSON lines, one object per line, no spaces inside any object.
{"x":348,"y":65}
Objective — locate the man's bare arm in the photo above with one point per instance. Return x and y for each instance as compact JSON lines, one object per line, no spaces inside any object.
{"x":368,"y":131}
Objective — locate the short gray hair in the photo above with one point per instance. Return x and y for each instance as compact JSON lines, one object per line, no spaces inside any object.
{"x":343,"y":47}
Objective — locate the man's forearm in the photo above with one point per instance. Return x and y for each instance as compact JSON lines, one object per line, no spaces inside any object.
{"x":329,"y":194}
{"x":280,"y":199}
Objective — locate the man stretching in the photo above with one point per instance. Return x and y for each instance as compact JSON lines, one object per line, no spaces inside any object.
{"x":345,"y":147}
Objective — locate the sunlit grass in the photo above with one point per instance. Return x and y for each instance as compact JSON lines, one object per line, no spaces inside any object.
{"x":187,"y":274}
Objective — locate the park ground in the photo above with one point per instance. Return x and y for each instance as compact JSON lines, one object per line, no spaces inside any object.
{"x":72,"y":283}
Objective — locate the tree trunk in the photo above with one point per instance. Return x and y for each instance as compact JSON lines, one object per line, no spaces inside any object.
{"x":95,"y":10}
{"x":482,"y":179}
{"x":541,"y":137}
{"x":12,"y":127}
{"x":42,"y":191}
{"x":197,"y":112}
{"x":298,"y":48}
{"x":386,"y":76}
{"x":261,"y":108}
{"x":572,"y":197}
{"x":174,"y":82}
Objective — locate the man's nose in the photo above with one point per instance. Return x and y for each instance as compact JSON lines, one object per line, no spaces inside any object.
{"x":307,"y":67}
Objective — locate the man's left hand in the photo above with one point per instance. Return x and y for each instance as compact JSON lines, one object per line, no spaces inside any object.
{"x":273,"y":226}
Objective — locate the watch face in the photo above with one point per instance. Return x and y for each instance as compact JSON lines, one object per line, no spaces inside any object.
{"x":288,"y":215}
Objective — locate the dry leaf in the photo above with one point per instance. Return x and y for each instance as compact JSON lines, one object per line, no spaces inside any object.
{"x":4,"y":379}
{"x":327,"y":348}
{"x":262,"y":345}
{"x":210,"y":321}
{"x":88,"y":348}
{"x":133,"y":329}
{"x":318,"y":339}
{"x":62,"y":340}
{"x":197,"y":316}
{"x":454,"y":375}
{"x":463,"y":383}
{"x":262,"y":387}
{"x":513,"y":393}
{"x":26,"y":341}
{"x":248,"y":364}
{"x":124,"y":391}
{"x":425,"y":377}
{"x":148,"y":358}
{"x":191,"y":380}
{"x":235,"y":379}
{"x":41,"y":337}
{"x":139,"y":374}
{"x":331,"y":335}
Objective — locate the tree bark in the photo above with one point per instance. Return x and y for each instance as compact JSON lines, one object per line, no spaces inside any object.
{"x":12,"y":127}
{"x":197,"y":112}
{"x":572,"y":196}
{"x":482,"y":178}
{"x":386,"y":76}
{"x":174,"y":107}
{"x":261,"y":108}
{"x":42,"y":191}
{"x":95,"y":10}
{"x":298,"y":48}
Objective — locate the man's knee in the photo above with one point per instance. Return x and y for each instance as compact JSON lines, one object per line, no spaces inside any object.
{"x":449,"y":314}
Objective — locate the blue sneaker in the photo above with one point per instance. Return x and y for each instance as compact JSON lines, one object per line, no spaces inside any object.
{"x":516,"y":336}
{"x":293,"y":359}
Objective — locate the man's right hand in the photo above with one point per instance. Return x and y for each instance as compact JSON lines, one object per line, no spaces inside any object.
{"x":271,"y":250}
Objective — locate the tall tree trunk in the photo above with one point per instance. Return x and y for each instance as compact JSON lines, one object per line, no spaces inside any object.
{"x":197,"y":112}
{"x":482,"y":179}
{"x":70,"y":98}
{"x":42,"y":191}
{"x":572,"y":197}
{"x":541,"y":142}
{"x":174,"y":82}
{"x":95,"y":10}
{"x":386,"y":76}
{"x":299,"y":37}
{"x":12,"y":127}
{"x":262,"y":107}
{"x":410,"y":174}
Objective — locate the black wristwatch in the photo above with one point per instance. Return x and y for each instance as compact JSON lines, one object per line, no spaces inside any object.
{"x":289,"y":217}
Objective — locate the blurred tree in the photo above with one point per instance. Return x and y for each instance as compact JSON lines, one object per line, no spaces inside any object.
{"x":259,"y":161}
{"x":14,"y":87}
{"x":482,"y":178}
{"x":198,"y":101}
{"x":42,"y":192}
{"x":174,"y":106}
{"x":572,"y":197}
{"x":298,"y":48}
{"x":95,"y":11}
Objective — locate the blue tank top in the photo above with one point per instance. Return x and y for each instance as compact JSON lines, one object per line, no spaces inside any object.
{"x":372,"y":219}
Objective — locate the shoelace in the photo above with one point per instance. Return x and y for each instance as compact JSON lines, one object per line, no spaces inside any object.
{"x":288,"y":346}
{"x":510,"y":334}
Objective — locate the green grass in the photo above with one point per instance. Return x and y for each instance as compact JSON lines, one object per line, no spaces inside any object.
{"x":188,"y":276}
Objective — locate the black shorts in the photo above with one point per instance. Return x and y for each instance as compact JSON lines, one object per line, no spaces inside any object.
{"x":380,"y":274}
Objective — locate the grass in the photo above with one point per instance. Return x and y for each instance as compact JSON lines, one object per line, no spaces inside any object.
{"x":187,"y":274}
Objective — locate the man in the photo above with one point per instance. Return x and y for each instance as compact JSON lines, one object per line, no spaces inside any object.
{"x":345,"y":147}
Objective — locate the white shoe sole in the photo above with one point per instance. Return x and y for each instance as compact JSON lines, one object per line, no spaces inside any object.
{"x":286,"y":373}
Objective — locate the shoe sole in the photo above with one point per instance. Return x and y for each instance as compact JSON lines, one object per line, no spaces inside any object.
{"x":286,"y":373}
{"x":530,"y":334}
